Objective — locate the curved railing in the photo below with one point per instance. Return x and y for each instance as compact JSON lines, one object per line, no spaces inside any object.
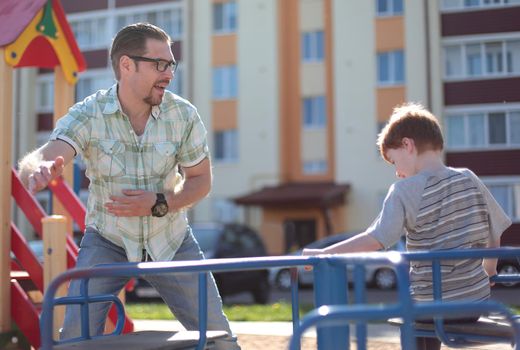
{"x":331,"y":292}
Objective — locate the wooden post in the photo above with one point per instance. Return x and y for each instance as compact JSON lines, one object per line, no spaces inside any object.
{"x":55,"y":259}
{"x":6,"y":117}
{"x":63,"y":100}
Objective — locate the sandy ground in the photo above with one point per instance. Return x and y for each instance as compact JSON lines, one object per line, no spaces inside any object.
{"x":263,"y":342}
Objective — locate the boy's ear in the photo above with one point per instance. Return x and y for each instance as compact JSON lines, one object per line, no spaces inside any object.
{"x":408,"y":143}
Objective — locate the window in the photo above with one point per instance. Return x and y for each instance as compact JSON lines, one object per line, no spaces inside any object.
{"x":452,"y":61}
{"x":225,"y":210}
{"x":92,"y":81}
{"x":494,"y":58}
{"x":482,"y":59}
{"x":475,"y":4}
{"x":176,"y":85}
{"x":225,"y":82}
{"x":45,"y":93}
{"x":513,"y":56}
{"x":483,"y":130}
{"x":224,"y":17}
{"x":507,"y":194}
{"x":314,"y":112}
{"x":389,"y":7}
{"x":314,"y":167}
{"x":226,"y":145}
{"x":312,"y":46}
{"x":390,"y":68}
{"x":170,"y":20}
{"x":91,"y":33}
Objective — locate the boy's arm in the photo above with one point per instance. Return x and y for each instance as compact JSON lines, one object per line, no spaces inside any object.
{"x":359,"y":243}
{"x":490,"y":264}
{"x":39,"y":167}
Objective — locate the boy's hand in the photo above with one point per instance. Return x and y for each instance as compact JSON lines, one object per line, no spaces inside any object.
{"x":47,"y":171}
{"x":312,"y":252}
{"x":490,"y":266}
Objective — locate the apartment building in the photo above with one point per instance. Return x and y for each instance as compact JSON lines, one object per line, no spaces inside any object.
{"x":480,"y":80}
{"x":294,"y":92}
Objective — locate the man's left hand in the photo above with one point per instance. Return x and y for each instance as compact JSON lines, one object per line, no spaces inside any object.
{"x":132,"y":203}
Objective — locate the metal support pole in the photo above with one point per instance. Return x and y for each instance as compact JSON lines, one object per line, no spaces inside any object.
{"x":330,"y":288}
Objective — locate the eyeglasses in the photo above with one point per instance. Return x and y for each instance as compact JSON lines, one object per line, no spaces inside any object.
{"x":160,"y":64}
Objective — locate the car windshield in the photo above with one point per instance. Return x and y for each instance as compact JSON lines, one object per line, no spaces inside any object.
{"x":207,"y":238}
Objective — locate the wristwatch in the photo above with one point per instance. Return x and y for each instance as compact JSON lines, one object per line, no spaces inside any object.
{"x":160,"y":208}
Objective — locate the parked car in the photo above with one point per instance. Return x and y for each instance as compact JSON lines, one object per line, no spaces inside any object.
{"x":509,"y":266}
{"x":225,"y":241}
{"x":381,"y":276}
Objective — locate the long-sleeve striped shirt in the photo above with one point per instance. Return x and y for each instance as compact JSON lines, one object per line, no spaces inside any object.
{"x":439,"y":210}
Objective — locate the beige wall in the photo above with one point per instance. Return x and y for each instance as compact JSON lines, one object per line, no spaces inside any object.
{"x":312,"y":79}
{"x":311,"y":15}
{"x":201,"y":47}
{"x":357,"y":159}
{"x":415,"y":54}
{"x":314,"y":144}
{"x":256,"y":106}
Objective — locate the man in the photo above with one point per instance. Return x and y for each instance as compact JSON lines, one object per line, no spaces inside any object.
{"x":134,"y":138}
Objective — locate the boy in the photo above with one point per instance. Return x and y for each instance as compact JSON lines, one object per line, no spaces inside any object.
{"x":436,"y":206}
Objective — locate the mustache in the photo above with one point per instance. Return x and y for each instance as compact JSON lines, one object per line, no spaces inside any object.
{"x":166,"y":81}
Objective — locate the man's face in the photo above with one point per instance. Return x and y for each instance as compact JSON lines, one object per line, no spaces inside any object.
{"x":404,"y":159}
{"x":147,"y":81}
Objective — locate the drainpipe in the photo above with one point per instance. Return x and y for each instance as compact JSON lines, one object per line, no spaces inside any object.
{"x":428,"y":58}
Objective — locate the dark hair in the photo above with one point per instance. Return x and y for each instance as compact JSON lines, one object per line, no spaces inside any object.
{"x":413,"y":121}
{"x":131,"y":40}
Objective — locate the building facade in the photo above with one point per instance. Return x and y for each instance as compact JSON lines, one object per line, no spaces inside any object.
{"x":294,"y":92}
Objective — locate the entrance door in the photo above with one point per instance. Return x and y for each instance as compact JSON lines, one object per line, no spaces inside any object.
{"x":298,"y":233}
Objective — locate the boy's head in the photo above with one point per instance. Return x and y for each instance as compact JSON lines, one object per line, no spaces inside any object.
{"x":411,"y":121}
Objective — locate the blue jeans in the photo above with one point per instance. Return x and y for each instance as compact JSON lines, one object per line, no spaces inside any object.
{"x":179,"y":291}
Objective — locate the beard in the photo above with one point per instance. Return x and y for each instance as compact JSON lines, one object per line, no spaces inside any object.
{"x":152,"y":99}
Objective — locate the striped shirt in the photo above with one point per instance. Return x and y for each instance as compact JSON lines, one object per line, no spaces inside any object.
{"x":439,"y":210}
{"x":117,"y":159}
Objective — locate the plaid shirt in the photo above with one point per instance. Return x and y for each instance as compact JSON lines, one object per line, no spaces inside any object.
{"x":117,"y":159}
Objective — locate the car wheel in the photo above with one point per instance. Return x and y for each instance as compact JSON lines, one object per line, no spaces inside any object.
{"x":508,"y":269}
{"x":283,"y":279}
{"x":385,"y":278}
{"x":262,"y":292}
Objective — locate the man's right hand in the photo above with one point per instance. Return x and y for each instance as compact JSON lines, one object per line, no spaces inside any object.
{"x":47,"y":171}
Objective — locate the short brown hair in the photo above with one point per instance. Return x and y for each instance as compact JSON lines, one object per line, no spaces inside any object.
{"x":131,"y":40}
{"x":413,"y":121}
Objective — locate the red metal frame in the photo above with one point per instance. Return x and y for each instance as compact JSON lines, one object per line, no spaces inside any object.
{"x":26,"y":257}
{"x":26,"y":315}
{"x":68,"y":198}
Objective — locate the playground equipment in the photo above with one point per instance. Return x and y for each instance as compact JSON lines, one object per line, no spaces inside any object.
{"x":331,"y":315}
{"x":33,"y":34}
{"x":404,"y":312}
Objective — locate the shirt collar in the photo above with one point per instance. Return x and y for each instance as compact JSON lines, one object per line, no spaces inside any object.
{"x":113,"y":104}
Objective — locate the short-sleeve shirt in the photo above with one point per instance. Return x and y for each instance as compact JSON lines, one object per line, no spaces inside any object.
{"x":117,"y":159}
{"x":438,"y":210}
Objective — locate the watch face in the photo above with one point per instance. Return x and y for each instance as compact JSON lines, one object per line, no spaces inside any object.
{"x":160,"y":209}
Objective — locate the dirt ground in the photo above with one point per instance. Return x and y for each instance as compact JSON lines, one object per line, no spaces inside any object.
{"x":262,"y":342}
